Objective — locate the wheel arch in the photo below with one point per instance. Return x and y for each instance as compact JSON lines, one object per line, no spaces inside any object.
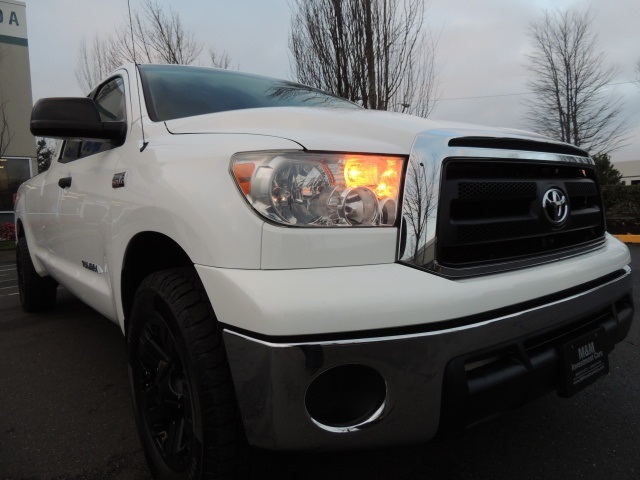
{"x":23,"y":229}
{"x":146,"y":253}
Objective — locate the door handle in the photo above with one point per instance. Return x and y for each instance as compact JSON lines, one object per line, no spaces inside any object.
{"x":64,"y":182}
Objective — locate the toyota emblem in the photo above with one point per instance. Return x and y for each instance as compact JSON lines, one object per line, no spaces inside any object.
{"x":555,"y":206}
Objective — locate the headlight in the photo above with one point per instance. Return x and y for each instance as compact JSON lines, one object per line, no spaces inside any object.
{"x":321,"y":190}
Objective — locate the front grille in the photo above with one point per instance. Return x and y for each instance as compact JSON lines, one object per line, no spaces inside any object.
{"x":491,"y":211}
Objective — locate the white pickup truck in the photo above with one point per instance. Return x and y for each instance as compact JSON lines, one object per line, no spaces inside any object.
{"x":291,"y":271}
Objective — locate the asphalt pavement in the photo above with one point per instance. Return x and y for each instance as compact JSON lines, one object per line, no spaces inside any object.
{"x":65,"y":413}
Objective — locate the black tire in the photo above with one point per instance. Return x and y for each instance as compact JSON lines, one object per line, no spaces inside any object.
{"x":183,"y":395}
{"x":36,"y":293}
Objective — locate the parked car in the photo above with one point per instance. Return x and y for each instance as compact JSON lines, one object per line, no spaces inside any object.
{"x":294,"y":272}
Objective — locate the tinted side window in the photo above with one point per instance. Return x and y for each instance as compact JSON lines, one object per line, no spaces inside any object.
{"x":110,"y":102}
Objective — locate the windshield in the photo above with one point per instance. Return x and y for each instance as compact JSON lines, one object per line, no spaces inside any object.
{"x":177,"y":91}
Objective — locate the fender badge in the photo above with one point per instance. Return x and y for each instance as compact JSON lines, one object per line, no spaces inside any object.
{"x":92,"y":266}
{"x":119,"y":180}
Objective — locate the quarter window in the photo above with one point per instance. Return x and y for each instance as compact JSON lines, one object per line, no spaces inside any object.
{"x":109,"y":99}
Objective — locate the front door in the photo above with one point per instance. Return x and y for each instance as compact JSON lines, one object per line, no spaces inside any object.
{"x":85,"y":208}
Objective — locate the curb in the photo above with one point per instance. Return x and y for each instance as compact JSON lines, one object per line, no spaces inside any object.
{"x":628,"y":238}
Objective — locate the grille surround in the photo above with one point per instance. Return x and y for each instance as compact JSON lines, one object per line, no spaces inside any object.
{"x":427,"y":190}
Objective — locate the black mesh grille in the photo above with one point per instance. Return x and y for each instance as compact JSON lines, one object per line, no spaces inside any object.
{"x":491,"y":211}
{"x":581,"y":189}
{"x":495,"y":230}
{"x":586,"y":219}
{"x":496,"y":189}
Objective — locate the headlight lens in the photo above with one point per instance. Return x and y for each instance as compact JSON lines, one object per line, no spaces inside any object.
{"x":321,"y":190}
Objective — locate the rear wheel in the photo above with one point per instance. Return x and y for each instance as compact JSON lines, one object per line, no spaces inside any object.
{"x":183,"y":395}
{"x":36,"y":293}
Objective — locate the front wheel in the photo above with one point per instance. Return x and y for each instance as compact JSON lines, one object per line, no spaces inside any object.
{"x":183,"y":396}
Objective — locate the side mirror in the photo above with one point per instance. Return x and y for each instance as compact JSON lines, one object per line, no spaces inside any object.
{"x":74,"y":119}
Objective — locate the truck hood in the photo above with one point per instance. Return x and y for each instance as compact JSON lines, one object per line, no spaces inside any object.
{"x":337,"y":129}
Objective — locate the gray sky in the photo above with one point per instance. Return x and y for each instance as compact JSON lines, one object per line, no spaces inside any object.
{"x":482,"y":49}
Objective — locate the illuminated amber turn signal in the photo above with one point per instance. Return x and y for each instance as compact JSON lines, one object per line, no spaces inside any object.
{"x":365,"y":172}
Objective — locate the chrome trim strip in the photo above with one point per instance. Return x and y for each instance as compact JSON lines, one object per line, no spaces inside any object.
{"x":431,"y":333}
{"x":354,"y":428}
{"x":516,"y":155}
{"x":513,"y":264}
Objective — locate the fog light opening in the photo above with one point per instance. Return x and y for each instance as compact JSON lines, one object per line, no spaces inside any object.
{"x":346,"y":396}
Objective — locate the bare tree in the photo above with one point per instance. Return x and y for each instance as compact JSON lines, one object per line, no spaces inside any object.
{"x":94,"y":62}
{"x":158,"y":37}
{"x":376,"y":52}
{"x":219,"y":59}
{"x":569,"y":84}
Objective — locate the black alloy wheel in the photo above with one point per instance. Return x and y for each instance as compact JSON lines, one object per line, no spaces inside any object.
{"x":183,"y":395}
{"x":164,"y":394}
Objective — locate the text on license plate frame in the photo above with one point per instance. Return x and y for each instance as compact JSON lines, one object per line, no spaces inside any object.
{"x":584,"y":360}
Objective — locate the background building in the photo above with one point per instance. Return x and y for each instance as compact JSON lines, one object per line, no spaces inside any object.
{"x":630,"y":172}
{"x":17,"y":145}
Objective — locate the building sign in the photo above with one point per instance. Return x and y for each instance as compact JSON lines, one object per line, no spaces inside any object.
{"x":13,"y":23}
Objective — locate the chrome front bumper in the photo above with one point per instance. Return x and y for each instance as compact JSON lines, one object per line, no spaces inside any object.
{"x":273,"y":375}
